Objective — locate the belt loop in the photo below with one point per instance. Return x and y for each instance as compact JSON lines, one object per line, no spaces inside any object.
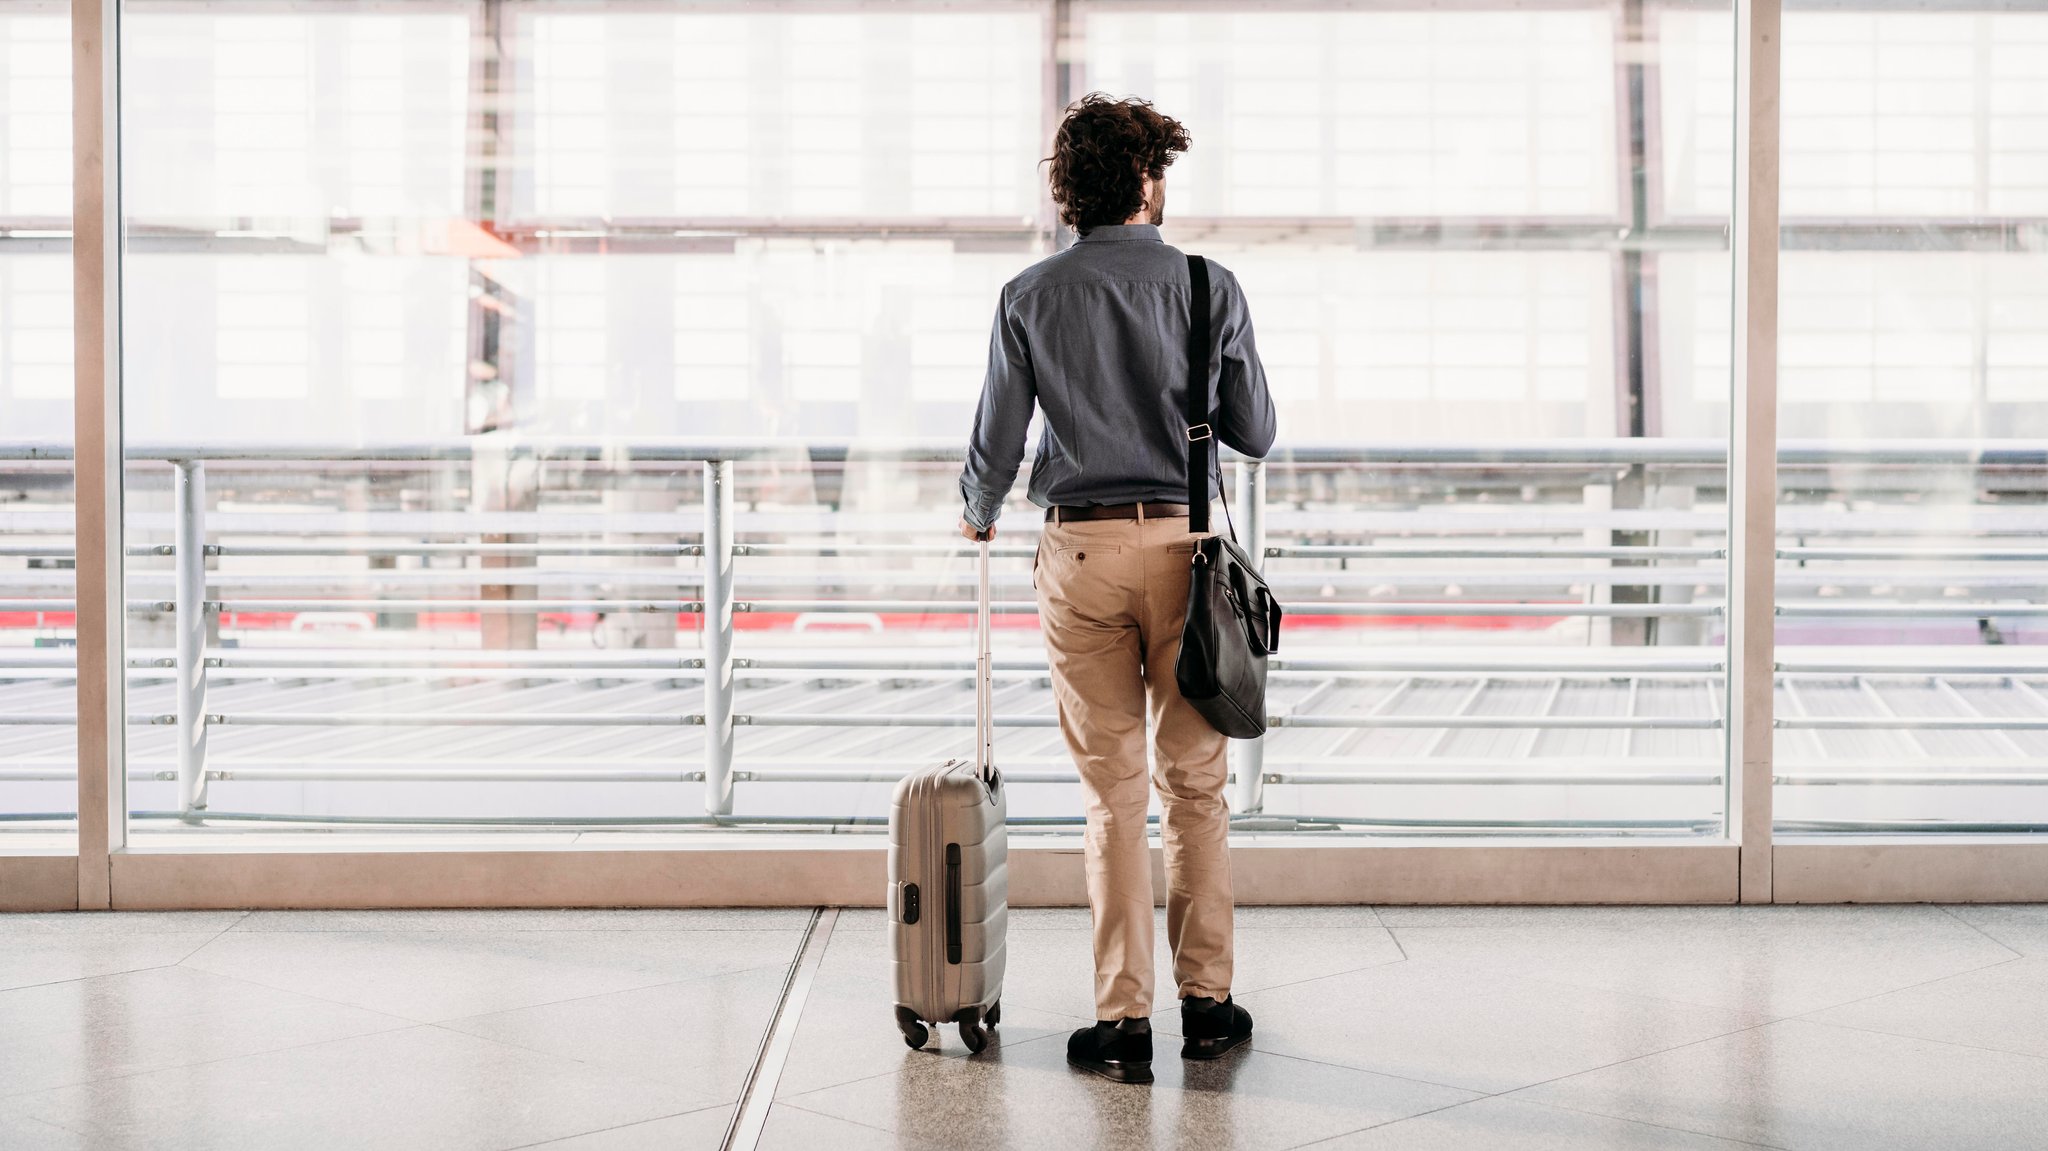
{"x":1141,"y":512}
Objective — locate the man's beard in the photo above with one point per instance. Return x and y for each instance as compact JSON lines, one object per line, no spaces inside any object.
{"x":1158,"y":205}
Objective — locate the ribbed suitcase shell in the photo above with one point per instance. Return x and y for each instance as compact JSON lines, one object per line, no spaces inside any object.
{"x":934,"y":809}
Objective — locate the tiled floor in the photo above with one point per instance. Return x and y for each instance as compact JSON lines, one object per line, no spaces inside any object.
{"x":1859,"y":1028}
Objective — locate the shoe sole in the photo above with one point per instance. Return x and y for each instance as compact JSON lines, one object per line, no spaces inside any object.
{"x":1212,"y":1048}
{"x":1117,"y":1072}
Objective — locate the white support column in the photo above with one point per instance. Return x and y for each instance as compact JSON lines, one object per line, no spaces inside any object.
{"x":718,"y":552}
{"x":188,"y":482}
{"x":1753,"y":444}
{"x":1248,"y":756}
{"x":96,"y":334}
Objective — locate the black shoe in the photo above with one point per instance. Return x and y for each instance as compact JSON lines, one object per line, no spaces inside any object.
{"x":1119,"y":1049}
{"x":1208,"y":1028}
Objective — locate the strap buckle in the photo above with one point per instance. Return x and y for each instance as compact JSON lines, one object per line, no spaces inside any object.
{"x":1202,"y":428}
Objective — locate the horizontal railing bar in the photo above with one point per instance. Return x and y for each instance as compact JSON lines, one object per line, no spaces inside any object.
{"x":1458,"y":772}
{"x":1819,"y":667}
{"x":1929,"y":827}
{"x":1440,"y":551}
{"x":444,"y":719}
{"x":1513,"y":722}
{"x":1913,"y":722}
{"x":735,"y":824}
{"x":1627,"y":611}
{"x":1913,"y":779}
{"x":836,"y":549}
{"x":1378,"y":454}
{"x":1893,"y":610}
{"x":1297,"y":585}
{"x":1506,"y":664}
{"x":427,"y":675}
{"x":1927,"y":553}
{"x":395,"y":663}
{"x":1512,"y":663}
{"x":324,"y":774}
{"x":361,"y":584}
{"x":463,"y":549}
{"x":834,"y":719}
{"x":1010,"y":775}
{"x":884,"y":606}
{"x":509,"y":606}
{"x":1020,"y":607}
{"x":846,"y":719}
{"x":450,"y":661}
{"x":1493,"y":779}
{"x":71,"y":605}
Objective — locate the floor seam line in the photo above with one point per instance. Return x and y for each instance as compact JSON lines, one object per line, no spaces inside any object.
{"x":614,"y":1127}
{"x":1896,"y":990}
{"x":757,"y":1091}
{"x":1659,"y":1126}
{"x":1638,"y":1058}
{"x":1921,"y":1039}
{"x":857,"y":1123}
{"x":1319,"y":978}
{"x":1273,"y":1054}
{"x":1648,"y":1123}
{"x":1390,"y":1122}
{"x":1950,"y":912}
{"x":1388,"y":928}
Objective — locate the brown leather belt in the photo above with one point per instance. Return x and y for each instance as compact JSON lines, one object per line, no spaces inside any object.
{"x":1150,"y":511}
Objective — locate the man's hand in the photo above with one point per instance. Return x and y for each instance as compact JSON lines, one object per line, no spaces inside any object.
{"x":968,"y":530}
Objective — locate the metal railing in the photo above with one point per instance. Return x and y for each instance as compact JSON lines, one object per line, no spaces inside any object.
{"x":194,"y":668}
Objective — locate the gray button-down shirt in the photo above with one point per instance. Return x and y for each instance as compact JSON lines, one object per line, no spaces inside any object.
{"x":1096,"y":336}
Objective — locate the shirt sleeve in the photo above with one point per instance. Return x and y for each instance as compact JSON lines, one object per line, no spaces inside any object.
{"x":995,"y":450}
{"x":1244,"y":406}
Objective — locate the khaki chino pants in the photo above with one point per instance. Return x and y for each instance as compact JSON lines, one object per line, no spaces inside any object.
{"x":1112,"y":595}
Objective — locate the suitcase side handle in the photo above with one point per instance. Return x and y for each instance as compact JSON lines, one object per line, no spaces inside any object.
{"x":953,"y":903}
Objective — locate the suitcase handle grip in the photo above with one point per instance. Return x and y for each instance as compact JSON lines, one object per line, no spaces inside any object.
{"x":953,"y":903}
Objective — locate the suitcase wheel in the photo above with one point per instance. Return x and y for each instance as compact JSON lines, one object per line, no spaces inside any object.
{"x":995,"y":1013}
{"x":914,"y":1030}
{"x":972,"y":1032}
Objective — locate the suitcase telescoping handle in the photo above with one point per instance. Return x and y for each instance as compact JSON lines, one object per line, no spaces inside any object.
{"x":984,"y":673}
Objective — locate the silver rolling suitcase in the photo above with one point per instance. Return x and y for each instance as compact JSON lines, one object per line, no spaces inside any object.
{"x":949,"y":889}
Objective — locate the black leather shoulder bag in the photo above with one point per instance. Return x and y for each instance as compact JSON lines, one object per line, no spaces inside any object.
{"x":1233,"y":620}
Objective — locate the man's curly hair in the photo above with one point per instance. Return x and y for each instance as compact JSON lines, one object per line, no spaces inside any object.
{"x":1104,"y":149}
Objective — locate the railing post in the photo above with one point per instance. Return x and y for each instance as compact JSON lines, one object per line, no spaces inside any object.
{"x":189,"y":498}
{"x":718,"y":551}
{"x":1248,"y":756}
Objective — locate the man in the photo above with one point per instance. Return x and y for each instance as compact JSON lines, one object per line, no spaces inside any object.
{"x":1096,"y":338}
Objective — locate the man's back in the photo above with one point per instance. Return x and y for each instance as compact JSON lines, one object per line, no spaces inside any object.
{"x":1096,"y":336}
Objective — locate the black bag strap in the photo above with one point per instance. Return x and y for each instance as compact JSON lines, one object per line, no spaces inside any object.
{"x":1201,"y":437}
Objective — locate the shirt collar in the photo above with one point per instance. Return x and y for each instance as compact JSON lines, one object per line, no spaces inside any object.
{"x":1121,"y":232}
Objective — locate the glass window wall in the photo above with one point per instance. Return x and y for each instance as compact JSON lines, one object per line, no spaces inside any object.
{"x":38,"y":701}
{"x":1913,"y":410}
{"x":459,"y":334}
